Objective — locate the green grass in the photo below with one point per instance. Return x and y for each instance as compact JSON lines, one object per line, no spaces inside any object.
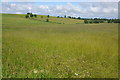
{"x":39,"y":49}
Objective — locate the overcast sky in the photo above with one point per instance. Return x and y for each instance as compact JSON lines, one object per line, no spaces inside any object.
{"x":76,"y":9}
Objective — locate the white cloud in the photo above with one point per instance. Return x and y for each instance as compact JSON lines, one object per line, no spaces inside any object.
{"x":18,"y":12}
{"x":69,"y":9}
{"x":115,"y":10}
{"x":107,"y":10}
{"x":43,"y":7}
{"x":95,"y":9}
{"x":17,"y":0}
{"x":13,"y":5}
{"x":59,"y":0}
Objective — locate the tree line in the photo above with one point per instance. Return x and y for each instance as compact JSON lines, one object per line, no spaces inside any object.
{"x":31,"y":15}
{"x":93,"y":20}
{"x":86,"y":20}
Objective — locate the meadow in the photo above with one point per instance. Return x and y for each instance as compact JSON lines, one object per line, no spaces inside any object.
{"x":62,"y":48}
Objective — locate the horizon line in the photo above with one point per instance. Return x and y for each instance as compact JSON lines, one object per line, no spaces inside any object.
{"x":66,"y":15}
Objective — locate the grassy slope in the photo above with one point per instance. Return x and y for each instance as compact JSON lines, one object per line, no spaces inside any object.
{"x":58,"y":50}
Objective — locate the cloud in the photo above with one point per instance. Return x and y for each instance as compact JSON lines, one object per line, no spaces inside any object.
{"x":59,"y":0}
{"x":17,"y":0}
{"x":93,"y":9}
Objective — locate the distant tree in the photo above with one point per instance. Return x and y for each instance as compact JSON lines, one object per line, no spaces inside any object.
{"x":79,"y":17}
{"x":28,"y":13}
{"x":118,"y":20}
{"x":48,"y":16}
{"x":47,"y":20}
{"x":41,"y":16}
{"x":85,"y":21}
{"x":109,"y":21}
{"x":101,"y":21}
{"x":96,"y":21}
{"x":31,"y":15}
{"x":115,"y":20}
{"x":64,"y":16}
{"x":69,"y":17}
{"x":73,"y":17}
{"x":26,"y":16}
{"x":91,"y":18}
{"x":91,"y":22}
{"x":35,"y":15}
{"x":58,"y":16}
{"x":95,"y":18}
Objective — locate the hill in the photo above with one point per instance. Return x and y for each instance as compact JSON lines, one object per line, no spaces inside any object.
{"x":39,"y":49}
{"x":52,"y":20}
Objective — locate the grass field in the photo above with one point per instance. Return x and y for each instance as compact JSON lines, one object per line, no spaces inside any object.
{"x":38,"y":49}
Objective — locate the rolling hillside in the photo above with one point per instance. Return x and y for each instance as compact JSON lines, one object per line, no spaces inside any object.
{"x":39,"y":49}
{"x":52,"y":20}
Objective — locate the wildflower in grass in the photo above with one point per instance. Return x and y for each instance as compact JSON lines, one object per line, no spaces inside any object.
{"x":87,"y":72}
{"x":35,"y":71}
{"x":76,"y":74}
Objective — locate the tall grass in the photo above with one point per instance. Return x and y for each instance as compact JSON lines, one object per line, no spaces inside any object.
{"x":38,"y":49}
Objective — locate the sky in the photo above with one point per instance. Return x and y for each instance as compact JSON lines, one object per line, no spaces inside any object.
{"x":75,"y":9}
{"x":60,"y":0}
